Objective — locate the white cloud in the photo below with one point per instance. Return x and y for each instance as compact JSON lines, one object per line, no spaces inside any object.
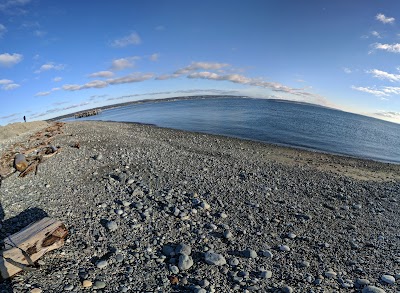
{"x":91,"y":84}
{"x":3,"y":30}
{"x":372,"y":91}
{"x":42,"y":94}
{"x":50,"y":66}
{"x":391,"y":90}
{"x":57,"y":79}
{"x":154,"y":57}
{"x":105,"y":74}
{"x":123,"y":63}
{"x":10,"y":86}
{"x":130,"y":78}
{"x":388,"y":114}
{"x":376,"y":34}
{"x":393,"y":48}
{"x":384,"y":75}
{"x":13,"y":6}
{"x":347,"y":70}
{"x":5,"y":81}
{"x":132,"y":39}
{"x":201,"y":66}
{"x":384,"y":19}
{"x":9,"y":60}
{"x":167,"y":76}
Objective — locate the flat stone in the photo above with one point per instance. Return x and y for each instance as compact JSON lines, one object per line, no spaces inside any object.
{"x":68,"y":287}
{"x":388,"y":279}
{"x":266,"y":274}
{"x":227,"y":235}
{"x":363,"y":282}
{"x":36,"y":290}
{"x":330,"y":274}
{"x":214,"y":259}
{"x":185,"y":262}
{"x":372,"y":289}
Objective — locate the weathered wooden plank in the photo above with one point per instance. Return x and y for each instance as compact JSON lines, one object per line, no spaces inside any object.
{"x":25,"y":247}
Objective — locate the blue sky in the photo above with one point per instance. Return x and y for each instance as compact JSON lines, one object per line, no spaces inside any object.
{"x":58,"y":57}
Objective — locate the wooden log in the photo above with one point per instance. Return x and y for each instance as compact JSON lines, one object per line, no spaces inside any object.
{"x":24,"y":248}
{"x":20,"y":162}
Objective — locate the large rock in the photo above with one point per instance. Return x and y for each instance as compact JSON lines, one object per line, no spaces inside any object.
{"x":214,"y":259}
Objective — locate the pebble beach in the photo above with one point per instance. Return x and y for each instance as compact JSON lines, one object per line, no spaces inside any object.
{"x":150,"y":209}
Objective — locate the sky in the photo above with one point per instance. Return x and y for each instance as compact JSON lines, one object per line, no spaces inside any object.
{"x":59,"y":57}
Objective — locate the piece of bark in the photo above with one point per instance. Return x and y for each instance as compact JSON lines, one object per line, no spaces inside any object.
{"x":20,"y":162}
{"x":24,"y":248}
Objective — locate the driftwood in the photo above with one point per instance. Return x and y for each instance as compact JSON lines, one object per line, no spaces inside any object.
{"x":24,"y":248}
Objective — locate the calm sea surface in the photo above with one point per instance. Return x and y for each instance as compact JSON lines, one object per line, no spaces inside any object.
{"x":271,"y":121}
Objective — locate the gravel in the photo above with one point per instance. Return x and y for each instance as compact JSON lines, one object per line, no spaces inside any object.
{"x":173,"y":211}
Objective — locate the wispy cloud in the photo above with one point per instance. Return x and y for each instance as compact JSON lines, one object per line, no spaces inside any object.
{"x":50,"y":66}
{"x":39,"y":33}
{"x":384,"y":19}
{"x":154,"y":57}
{"x":104,"y":74}
{"x":201,"y":66}
{"x":9,"y":60}
{"x":10,"y":116}
{"x":376,"y":34}
{"x":347,"y":70}
{"x":14,"y":7}
{"x":384,"y":91}
{"x":123,"y":63}
{"x":42,"y":94}
{"x":8,"y":85}
{"x":384,"y":75}
{"x":3,"y":30}
{"x":167,"y":76}
{"x":393,"y":48}
{"x":131,"y":78}
{"x":160,"y":28}
{"x":57,"y":79}
{"x":370,"y":90}
{"x":132,"y":39}
{"x":388,"y":114}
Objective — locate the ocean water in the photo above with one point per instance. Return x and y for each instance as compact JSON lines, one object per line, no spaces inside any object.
{"x":271,"y":121}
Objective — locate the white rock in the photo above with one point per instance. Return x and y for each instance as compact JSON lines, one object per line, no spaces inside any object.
{"x":388,"y":279}
{"x":112,"y":226}
{"x":101,"y":264}
{"x":330,"y":274}
{"x":284,"y":248}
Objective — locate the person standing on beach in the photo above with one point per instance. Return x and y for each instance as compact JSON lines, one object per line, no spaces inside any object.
{"x":24,"y":119}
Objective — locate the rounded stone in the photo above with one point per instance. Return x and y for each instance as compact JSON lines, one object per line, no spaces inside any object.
{"x":174,"y":269}
{"x":112,"y":226}
{"x":36,"y":290}
{"x":228,"y":235}
{"x":284,"y":248}
{"x":330,"y":274}
{"x":183,"y":249}
{"x":249,"y":253}
{"x":214,"y":259}
{"x":363,"y":282}
{"x":388,"y":279}
{"x":99,"y":284}
{"x":268,"y":254}
{"x":185,"y":262}
{"x":87,"y":284}
{"x":266,"y":274}
{"x":372,"y":289}
{"x":68,"y":287}
{"x":234,"y":262}
{"x":287,"y":289}
{"x":101,"y":264}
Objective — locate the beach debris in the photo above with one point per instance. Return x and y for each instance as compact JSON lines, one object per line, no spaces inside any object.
{"x":20,"y":162}
{"x":24,"y":248}
{"x":173,"y":280}
{"x":76,"y":145}
{"x":25,"y":157}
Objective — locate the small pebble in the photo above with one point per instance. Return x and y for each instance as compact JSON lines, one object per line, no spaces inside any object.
{"x":372,"y":289}
{"x":268,"y":254}
{"x":87,"y":284}
{"x":68,"y":287}
{"x":287,"y":289}
{"x":99,"y":284}
{"x":101,"y":264}
{"x":284,"y":248}
{"x":36,"y":290}
{"x":112,"y":226}
{"x":249,"y":253}
{"x":185,"y":262}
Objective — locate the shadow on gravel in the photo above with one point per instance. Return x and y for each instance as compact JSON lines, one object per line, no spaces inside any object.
{"x":13,"y":225}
